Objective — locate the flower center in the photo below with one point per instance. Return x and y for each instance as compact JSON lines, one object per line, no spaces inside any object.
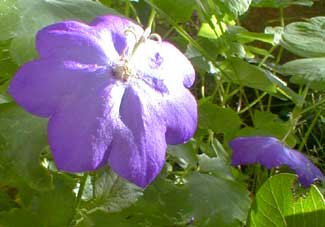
{"x":122,"y":69}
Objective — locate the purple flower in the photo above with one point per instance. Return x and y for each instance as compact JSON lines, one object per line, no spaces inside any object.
{"x":113,"y":95}
{"x":270,"y":152}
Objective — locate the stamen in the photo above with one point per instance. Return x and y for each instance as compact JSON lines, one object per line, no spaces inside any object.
{"x":122,"y":70}
{"x":131,"y":30}
{"x":156,"y":37}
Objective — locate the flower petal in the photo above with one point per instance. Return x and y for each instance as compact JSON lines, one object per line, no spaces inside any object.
{"x":270,"y":152}
{"x":74,"y":41}
{"x":119,"y":31}
{"x":138,"y":148}
{"x":81,"y":130}
{"x":39,"y":85}
{"x":163,"y":61}
{"x":180,"y":113}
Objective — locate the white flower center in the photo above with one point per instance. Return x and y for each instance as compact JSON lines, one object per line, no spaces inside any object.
{"x":122,"y":69}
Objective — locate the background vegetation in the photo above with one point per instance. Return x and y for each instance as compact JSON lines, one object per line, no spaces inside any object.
{"x":260,"y":68}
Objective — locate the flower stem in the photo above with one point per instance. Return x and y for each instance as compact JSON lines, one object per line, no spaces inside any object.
{"x":151,"y":18}
{"x":78,"y":199}
{"x":313,"y":123}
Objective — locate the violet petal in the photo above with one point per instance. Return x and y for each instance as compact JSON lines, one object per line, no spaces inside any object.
{"x":270,"y":152}
{"x":163,"y":61}
{"x":75,"y":41}
{"x":180,"y":110}
{"x":118,"y":31}
{"x":81,"y":130}
{"x":139,"y":147}
{"x":39,"y":85}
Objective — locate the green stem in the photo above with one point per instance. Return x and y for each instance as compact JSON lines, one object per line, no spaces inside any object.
{"x":151,"y":18}
{"x":297,"y":112}
{"x":269,"y":103}
{"x":266,"y":56}
{"x":134,"y":11}
{"x":253,"y":103}
{"x":78,"y":199}
{"x":203,"y":86}
{"x":304,"y":141}
{"x":242,"y":91}
{"x":282,"y":17}
{"x":312,"y":107}
{"x":127,"y":9}
{"x":184,"y":34}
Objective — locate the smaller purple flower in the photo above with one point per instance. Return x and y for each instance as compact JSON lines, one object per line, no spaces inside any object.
{"x":270,"y":152}
{"x":113,"y":95}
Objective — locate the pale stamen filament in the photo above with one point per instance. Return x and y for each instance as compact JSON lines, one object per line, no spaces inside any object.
{"x":122,"y":68}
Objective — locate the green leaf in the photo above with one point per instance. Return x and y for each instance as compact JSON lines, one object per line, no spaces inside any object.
{"x":215,"y":149}
{"x":178,"y":10}
{"x":184,"y":154}
{"x":47,"y":208}
{"x":47,"y":11}
{"x":22,"y":139}
{"x":245,"y":74}
{"x":217,"y":201}
{"x":275,"y":205}
{"x":237,"y":7}
{"x":269,"y":124}
{"x":7,"y":198}
{"x":220,"y":120}
{"x":166,"y":204}
{"x":252,"y":36}
{"x":163,"y":204}
{"x":285,"y":92}
{"x":55,"y":207}
{"x":7,"y":66}
{"x":309,"y":71}
{"x":19,"y":218}
{"x":113,"y":193}
{"x":232,"y":8}
{"x":102,"y":219}
{"x":4,"y":99}
{"x":9,"y":17}
{"x":305,"y":39}
{"x":212,"y":33}
{"x":215,"y":165}
{"x":281,"y":3}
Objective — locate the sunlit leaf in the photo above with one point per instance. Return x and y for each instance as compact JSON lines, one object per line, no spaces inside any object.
{"x":281,"y":3}
{"x":308,"y":71}
{"x":245,"y":74}
{"x":276,"y":205}
{"x":237,"y":7}
{"x":305,"y":39}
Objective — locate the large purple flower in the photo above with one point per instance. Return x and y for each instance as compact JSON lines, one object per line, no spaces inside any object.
{"x":270,"y":152}
{"x":112,"y":95}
